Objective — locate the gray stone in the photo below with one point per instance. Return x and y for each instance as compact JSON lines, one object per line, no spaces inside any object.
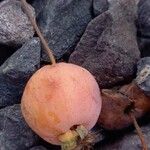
{"x":144,"y":18}
{"x":63,"y":22}
{"x":143,"y":26}
{"x":143,"y":75}
{"x":144,"y":46}
{"x":39,"y":5}
{"x":129,"y":141}
{"x":108,"y":48}
{"x":16,"y":70}
{"x":15,"y":28}
{"x":14,"y":132}
{"x":100,"y":6}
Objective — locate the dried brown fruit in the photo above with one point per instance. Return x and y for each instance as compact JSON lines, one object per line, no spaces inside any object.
{"x":117,"y":102}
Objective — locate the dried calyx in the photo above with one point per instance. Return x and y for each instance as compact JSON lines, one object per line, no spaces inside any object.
{"x":78,"y":139}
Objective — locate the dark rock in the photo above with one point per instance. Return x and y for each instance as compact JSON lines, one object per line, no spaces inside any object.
{"x":39,"y":5}
{"x":143,"y":27}
{"x":38,"y":148}
{"x":5,"y":52}
{"x":14,"y":132}
{"x":99,"y":6}
{"x":143,"y":75}
{"x":129,"y":141}
{"x":108,"y":48}
{"x":15,"y":27}
{"x":63,"y":22}
{"x":15,"y":72}
{"x":143,"y":24}
{"x":144,"y":46}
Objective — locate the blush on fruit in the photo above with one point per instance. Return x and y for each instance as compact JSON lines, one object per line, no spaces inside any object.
{"x":59,"y":98}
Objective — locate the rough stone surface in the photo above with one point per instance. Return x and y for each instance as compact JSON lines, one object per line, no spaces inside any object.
{"x":144,"y":18}
{"x":15,"y":27}
{"x":63,"y":22}
{"x":143,"y":75}
{"x":14,"y":132}
{"x":16,"y":70}
{"x":144,"y":27}
{"x":108,"y":48}
{"x":129,"y":141}
{"x":99,"y":6}
{"x":39,"y":5}
{"x":144,"y":46}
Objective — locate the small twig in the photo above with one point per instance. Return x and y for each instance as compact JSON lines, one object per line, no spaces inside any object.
{"x":139,"y":131}
{"x":36,"y":28}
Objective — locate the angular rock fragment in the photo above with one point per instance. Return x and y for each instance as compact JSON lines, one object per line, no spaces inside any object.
{"x":100,"y":6}
{"x":143,"y":24}
{"x":143,"y":18}
{"x":14,"y":132}
{"x":63,"y":22}
{"x":39,"y":5}
{"x":144,"y":46}
{"x":15,"y":28}
{"x":16,"y":71}
{"x":143,"y":75}
{"x":108,"y":48}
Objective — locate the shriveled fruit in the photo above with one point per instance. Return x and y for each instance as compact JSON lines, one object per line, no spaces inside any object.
{"x":116,"y":103}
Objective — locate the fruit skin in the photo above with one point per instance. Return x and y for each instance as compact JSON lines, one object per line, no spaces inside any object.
{"x":58,"y":97}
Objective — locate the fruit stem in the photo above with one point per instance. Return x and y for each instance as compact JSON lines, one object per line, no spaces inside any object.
{"x":71,"y":139}
{"x":139,"y":131}
{"x":129,"y":110}
{"x":36,"y":28}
